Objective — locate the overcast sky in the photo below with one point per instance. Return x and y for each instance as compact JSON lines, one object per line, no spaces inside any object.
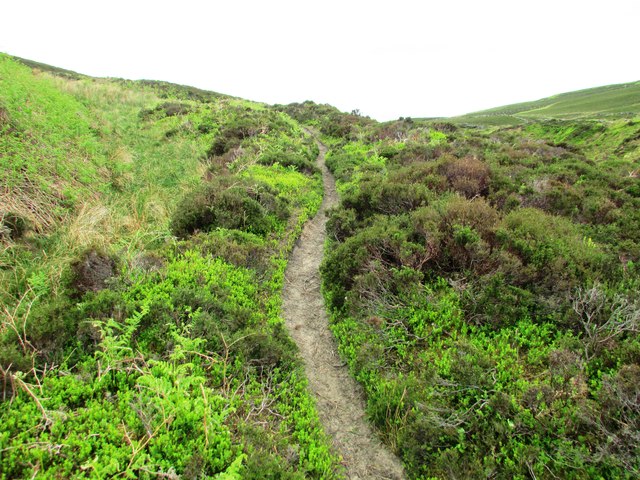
{"x":388,"y":59}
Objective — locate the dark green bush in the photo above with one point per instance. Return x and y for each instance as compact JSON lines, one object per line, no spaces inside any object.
{"x":242,"y":125}
{"x":388,"y":196}
{"x":341,"y":224}
{"x":265,"y":461}
{"x":49,"y":328}
{"x":459,"y":234}
{"x":329,"y":119}
{"x":496,"y":303}
{"x":223,"y":203}
{"x":377,"y":250}
{"x":265,"y":351}
{"x":289,"y":159}
{"x":238,"y":248}
{"x":553,"y":246}
{"x":167,"y":109}
{"x":234,"y":132}
{"x":225,"y":141}
{"x":417,"y":153}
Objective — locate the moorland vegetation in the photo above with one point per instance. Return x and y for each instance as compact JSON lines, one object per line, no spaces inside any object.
{"x":482,"y":279}
{"x":483,"y":285}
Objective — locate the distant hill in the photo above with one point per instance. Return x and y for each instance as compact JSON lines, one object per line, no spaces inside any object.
{"x":615,"y":101}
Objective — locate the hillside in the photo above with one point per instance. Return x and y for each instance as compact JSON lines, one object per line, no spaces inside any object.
{"x":144,"y":237}
{"x":483,"y":287}
{"x":480,"y":281}
{"x":611,"y":101}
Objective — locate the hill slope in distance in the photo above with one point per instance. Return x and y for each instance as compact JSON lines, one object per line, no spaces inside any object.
{"x":615,"y":101}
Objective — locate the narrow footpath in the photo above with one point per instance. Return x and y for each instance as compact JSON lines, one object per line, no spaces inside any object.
{"x":339,"y":398}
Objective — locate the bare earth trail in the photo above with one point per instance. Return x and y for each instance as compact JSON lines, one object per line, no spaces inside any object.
{"x":339,"y":398}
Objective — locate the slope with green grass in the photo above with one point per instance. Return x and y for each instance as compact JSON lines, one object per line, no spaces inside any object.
{"x":611,"y":101}
{"x":51,"y":156}
{"x":144,"y":235}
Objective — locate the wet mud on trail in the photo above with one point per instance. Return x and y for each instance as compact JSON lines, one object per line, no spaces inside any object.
{"x":339,"y":398}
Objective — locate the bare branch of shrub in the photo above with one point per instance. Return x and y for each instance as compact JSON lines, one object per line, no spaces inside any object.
{"x":602,"y":319}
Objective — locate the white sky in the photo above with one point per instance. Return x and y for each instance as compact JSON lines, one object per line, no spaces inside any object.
{"x":388,"y":59}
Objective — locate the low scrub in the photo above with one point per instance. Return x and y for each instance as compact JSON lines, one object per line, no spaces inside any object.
{"x":229,"y":203}
{"x":482,"y":288}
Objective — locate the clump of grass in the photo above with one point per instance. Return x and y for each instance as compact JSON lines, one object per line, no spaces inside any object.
{"x":12,"y":226}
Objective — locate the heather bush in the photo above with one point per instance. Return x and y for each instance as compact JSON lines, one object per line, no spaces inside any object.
{"x":232,"y":204}
{"x":468,"y":176}
{"x":481,"y":285}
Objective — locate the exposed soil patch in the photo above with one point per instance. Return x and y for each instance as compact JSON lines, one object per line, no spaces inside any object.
{"x":93,"y":271}
{"x":339,"y":398}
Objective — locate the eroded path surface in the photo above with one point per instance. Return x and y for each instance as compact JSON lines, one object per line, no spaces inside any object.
{"x":339,"y":398}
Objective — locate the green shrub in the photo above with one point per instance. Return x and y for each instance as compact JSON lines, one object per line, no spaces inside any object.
{"x":238,"y":248}
{"x":289,"y":159}
{"x":553,"y":246}
{"x":225,"y":203}
{"x":166,"y":109}
{"x":341,"y":224}
{"x":378,"y":250}
{"x":378,"y":195}
{"x":43,"y":334}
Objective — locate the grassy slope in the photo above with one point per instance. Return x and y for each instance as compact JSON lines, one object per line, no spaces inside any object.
{"x":50,"y":155}
{"x":175,"y":361}
{"x":612,"y":101}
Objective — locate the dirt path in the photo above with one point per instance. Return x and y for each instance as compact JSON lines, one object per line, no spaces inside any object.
{"x":339,"y":397}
